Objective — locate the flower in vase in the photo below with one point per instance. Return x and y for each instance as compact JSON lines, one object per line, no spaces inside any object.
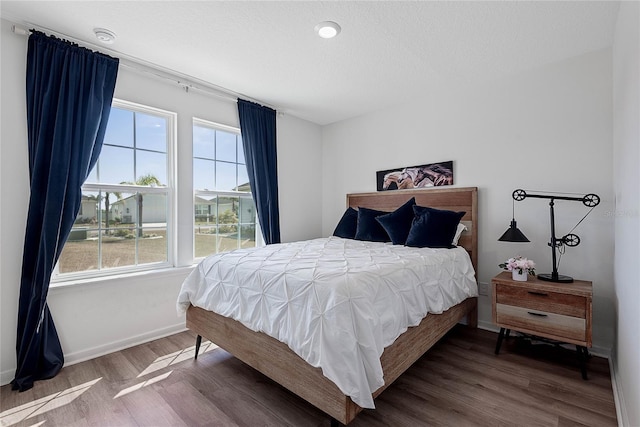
{"x":519,"y":264}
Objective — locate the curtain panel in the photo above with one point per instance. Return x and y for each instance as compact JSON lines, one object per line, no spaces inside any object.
{"x":69,"y":93}
{"x":258,"y":127}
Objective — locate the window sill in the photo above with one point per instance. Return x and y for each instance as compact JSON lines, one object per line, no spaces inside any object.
{"x":106,"y":280}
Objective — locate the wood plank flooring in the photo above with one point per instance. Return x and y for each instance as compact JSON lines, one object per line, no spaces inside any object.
{"x":459,"y":382}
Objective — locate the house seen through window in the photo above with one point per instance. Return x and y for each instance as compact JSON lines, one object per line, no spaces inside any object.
{"x":224,"y":212}
{"x":123,"y":222}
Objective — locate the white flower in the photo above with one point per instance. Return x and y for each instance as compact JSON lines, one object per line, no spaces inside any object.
{"x":520,"y":264}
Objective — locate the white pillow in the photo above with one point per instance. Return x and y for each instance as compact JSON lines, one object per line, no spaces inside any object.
{"x":459,"y":230}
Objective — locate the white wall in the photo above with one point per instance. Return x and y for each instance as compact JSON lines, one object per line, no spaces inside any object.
{"x":100,"y":316}
{"x":549,"y":129}
{"x":299,"y":179}
{"x":626,"y":180}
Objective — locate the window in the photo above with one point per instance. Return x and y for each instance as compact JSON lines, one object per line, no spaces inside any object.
{"x":224,"y":212}
{"x":124,"y":222}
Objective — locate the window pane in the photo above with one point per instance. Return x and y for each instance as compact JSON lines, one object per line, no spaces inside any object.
{"x":116,"y":165}
{"x":108,"y":218}
{"x":149,"y":163}
{"x":80,"y":253}
{"x":222,"y":219}
{"x":226,"y":146}
{"x":243,"y":179}
{"x":203,"y":174}
{"x":153,"y":208}
{"x":152,"y":247}
{"x":205,"y":210}
{"x":227,"y":224}
{"x":247,"y":236}
{"x":205,"y":214}
{"x":205,"y":240}
{"x":227,"y":242}
{"x":119,"y":248}
{"x":225,"y":176}
{"x":227,"y":210}
{"x":116,"y":239}
{"x":203,"y":142}
{"x":88,"y":213}
{"x":93,"y":175}
{"x":240,"y":150}
{"x":247,"y":210}
{"x":120,"y":128}
{"x":123,"y":211}
{"x":151,"y":132}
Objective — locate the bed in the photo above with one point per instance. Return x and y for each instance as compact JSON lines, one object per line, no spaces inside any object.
{"x":276,"y":360}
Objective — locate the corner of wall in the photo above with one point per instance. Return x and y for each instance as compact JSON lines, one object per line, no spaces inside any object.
{"x":618,"y":395}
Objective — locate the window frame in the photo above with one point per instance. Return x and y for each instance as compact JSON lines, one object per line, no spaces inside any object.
{"x":220,"y":193}
{"x":170,"y":190}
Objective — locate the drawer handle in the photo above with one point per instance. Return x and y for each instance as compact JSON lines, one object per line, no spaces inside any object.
{"x":542,"y":294}
{"x":536,"y":314}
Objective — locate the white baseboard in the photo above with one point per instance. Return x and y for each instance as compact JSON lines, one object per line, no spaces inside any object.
{"x":101,"y":350}
{"x":7,"y":376}
{"x":488,"y":326}
{"x":618,"y":396}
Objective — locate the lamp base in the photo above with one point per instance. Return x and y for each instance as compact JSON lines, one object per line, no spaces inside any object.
{"x":558,"y":279}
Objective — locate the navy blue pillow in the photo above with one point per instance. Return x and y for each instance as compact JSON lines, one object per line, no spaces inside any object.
{"x":398,"y":223}
{"x":433,"y":228}
{"x":368,"y":228}
{"x":347,"y":225}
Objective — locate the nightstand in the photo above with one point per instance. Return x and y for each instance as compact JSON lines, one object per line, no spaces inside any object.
{"x":555,"y":311}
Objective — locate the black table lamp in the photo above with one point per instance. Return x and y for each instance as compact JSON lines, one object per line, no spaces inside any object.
{"x":513,"y":234}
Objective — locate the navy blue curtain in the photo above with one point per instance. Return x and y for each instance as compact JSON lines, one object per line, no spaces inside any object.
{"x":258,"y":126}
{"x":69,"y":94}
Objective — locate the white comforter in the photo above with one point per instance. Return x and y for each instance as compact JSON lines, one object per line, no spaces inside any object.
{"x":336,"y":302}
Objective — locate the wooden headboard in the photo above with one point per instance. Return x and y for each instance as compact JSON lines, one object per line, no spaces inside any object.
{"x":454,"y":199}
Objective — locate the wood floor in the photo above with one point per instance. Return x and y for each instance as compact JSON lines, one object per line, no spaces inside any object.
{"x":460,"y":382}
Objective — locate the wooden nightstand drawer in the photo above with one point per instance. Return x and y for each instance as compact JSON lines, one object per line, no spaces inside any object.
{"x":541,"y":322}
{"x":556,"y":311}
{"x":547,"y":301}
{"x":566,"y":308}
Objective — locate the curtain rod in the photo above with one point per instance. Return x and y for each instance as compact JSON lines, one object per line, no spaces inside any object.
{"x":138,"y":64}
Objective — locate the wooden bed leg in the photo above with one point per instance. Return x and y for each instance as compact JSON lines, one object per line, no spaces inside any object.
{"x":198,"y":342}
{"x":472,"y":316}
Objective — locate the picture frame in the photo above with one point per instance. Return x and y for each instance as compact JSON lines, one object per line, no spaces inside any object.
{"x":420,"y":176}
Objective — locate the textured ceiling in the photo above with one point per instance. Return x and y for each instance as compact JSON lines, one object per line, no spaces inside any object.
{"x":388,"y":51}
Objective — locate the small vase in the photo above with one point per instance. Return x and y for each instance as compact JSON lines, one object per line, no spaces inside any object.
{"x":520,"y":277}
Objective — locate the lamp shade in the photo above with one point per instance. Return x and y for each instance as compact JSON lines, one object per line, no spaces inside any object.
{"x":513,"y":234}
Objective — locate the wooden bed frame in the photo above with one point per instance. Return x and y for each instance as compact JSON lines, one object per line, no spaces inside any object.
{"x":275,"y":360}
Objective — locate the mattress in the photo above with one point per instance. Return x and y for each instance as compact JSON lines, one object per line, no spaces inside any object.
{"x":335,"y":302}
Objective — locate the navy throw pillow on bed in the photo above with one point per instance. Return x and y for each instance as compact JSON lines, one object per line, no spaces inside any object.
{"x":433,"y":228}
{"x":398,"y":223}
{"x":368,"y":228}
{"x":347,"y":225}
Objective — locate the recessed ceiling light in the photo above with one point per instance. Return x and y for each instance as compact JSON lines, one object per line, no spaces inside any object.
{"x":327,"y":29}
{"x":105,"y":36}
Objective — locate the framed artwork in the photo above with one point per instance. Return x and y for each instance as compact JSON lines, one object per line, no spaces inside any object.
{"x":429,"y":175}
